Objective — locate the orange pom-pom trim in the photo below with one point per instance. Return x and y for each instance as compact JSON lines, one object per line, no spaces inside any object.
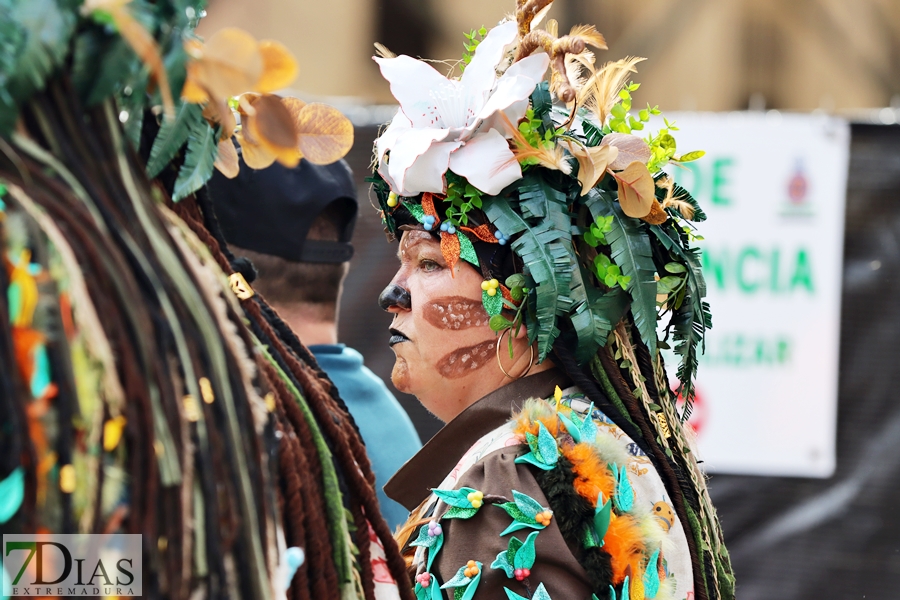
{"x":592,"y":476}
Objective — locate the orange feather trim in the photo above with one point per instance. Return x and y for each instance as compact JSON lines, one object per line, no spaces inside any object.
{"x":592,"y":474}
{"x":536,"y":411}
{"x":625,"y":545}
{"x":450,"y":249}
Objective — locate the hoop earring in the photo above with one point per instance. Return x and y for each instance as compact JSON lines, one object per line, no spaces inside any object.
{"x":500,"y":364}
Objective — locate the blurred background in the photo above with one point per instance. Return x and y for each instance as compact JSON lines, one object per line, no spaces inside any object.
{"x":835,"y":532}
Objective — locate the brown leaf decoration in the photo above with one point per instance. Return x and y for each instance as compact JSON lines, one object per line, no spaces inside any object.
{"x":227,"y":159}
{"x":631,"y":148}
{"x":217,"y":111}
{"x":279,"y":67}
{"x":326,"y":135}
{"x":636,"y":190}
{"x":269,"y":124}
{"x":450,"y":249}
{"x":255,"y":156}
{"x":229,"y":63}
{"x":592,"y":163}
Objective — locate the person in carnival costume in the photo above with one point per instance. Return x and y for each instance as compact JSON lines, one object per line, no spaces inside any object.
{"x":540,"y":243}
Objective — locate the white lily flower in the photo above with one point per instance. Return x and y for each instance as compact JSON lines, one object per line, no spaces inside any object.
{"x":456,"y":124}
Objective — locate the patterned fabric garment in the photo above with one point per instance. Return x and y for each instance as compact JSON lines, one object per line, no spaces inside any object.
{"x":546,"y":504}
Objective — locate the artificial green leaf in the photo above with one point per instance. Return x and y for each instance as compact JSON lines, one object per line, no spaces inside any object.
{"x":466,"y":249}
{"x":172,"y":136}
{"x":202,"y":149}
{"x":651,"y":576}
{"x":602,"y":515}
{"x":493,"y":305}
{"x":531,"y":459}
{"x":691,"y":156}
{"x":457,"y":580}
{"x":515,"y":280}
{"x":674,"y":267}
{"x":499,"y":323}
{"x":631,"y":251}
{"x":459,"y":512}
{"x":503,"y":562}
{"x":458,"y":498}
{"x":513,"y":510}
{"x":415,"y":210}
{"x":511,"y":595}
{"x":624,"y":495}
{"x":528,"y":505}
{"x":525,"y":556}
{"x":667,"y":284}
{"x":424,"y":540}
{"x":12,"y":492}
{"x":547,"y":447}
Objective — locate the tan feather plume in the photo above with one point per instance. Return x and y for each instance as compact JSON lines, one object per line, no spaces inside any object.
{"x":601,"y":92}
{"x":590,"y":36}
{"x":382,"y":51}
{"x":685,"y":208}
{"x":552,"y":157}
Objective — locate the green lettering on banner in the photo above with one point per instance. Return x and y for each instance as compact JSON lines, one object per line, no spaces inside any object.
{"x":720,"y":179}
{"x":802,"y":272}
{"x":747,"y":350}
{"x":716,"y":265}
{"x":745,"y":253}
{"x":774,"y":261}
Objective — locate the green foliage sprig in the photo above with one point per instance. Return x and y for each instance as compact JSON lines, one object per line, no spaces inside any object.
{"x":473,"y":38}
{"x":463,"y":197}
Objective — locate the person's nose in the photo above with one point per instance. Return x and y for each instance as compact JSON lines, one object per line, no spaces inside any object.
{"x":395,"y":298}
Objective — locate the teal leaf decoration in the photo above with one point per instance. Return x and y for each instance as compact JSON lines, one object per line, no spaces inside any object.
{"x":580,"y":429}
{"x":459,"y":512}
{"x":539,"y":594}
{"x":202,"y":149}
{"x":433,"y":551}
{"x":467,"y":250}
{"x":547,"y":445}
{"x":528,"y":505}
{"x":436,"y":593}
{"x":432,"y":592}
{"x":424,"y":540}
{"x":531,"y":459}
{"x":457,"y":498}
{"x":602,"y":515}
{"x":502,"y":562}
{"x":492,"y":304}
{"x":525,"y":556}
{"x":572,"y":427}
{"x":623,"y":595}
{"x":172,"y":136}
{"x":532,"y":442}
{"x":12,"y":492}
{"x":415,"y":210}
{"x":624,"y":496}
{"x":547,"y":261}
{"x":632,"y":252}
{"x":651,"y":576}
{"x":473,"y":585}
{"x":513,"y":511}
{"x":458,"y":580}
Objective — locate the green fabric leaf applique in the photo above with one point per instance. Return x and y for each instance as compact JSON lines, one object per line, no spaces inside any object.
{"x":432,"y":592}
{"x":602,"y":515}
{"x":624,"y":594}
{"x":492,"y":304}
{"x":458,"y":498}
{"x":539,"y":594}
{"x":525,"y":556}
{"x":431,"y":536}
{"x":466,"y":249}
{"x":458,"y":512}
{"x":524,"y":512}
{"x":415,"y":210}
{"x":581,"y":430}
{"x":651,"y":576}
{"x":624,"y":496}
{"x":544,"y":454}
{"x":465,"y":585}
{"x":505,"y":559}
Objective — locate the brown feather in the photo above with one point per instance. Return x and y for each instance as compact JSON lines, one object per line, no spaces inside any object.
{"x":601,"y":92}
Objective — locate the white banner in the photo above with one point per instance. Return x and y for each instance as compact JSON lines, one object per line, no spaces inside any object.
{"x":774,"y":188}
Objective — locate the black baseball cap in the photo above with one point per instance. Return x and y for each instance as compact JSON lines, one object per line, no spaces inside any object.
{"x":270,"y":210}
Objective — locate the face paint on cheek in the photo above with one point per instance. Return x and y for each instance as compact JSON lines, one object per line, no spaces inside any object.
{"x":463,"y":361}
{"x":400,"y":374}
{"x":455,"y":312}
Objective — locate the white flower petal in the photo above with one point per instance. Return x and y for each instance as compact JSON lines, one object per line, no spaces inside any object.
{"x":427,"y":172}
{"x":486,"y":162}
{"x":388,"y":138}
{"x":510,"y":90}
{"x":514,"y":113}
{"x":411,"y":81}
{"x":480,"y":73}
{"x":533,"y":67}
{"x":408,"y":147}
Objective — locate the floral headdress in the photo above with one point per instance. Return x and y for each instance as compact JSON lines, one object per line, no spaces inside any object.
{"x":554,"y":168}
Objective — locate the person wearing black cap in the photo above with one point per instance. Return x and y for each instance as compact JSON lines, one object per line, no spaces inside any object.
{"x":295,"y":226}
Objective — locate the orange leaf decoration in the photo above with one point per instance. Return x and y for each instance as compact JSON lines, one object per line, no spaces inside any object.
{"x":631,"y":148}
{"x":326,"y":135}
{"x":482,"y":232}
{"x":229,"y":63}
{"x":428,"y":207}
{"x":227,"y":159}
{"x":255,"y":156}
{"x":450,"y":249}
{"x":268,"y":125}
{"x":279,"y":67}
{"x":636,"y":190}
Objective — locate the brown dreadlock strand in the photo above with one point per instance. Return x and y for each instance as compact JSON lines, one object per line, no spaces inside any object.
{"x":330,"y":415}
